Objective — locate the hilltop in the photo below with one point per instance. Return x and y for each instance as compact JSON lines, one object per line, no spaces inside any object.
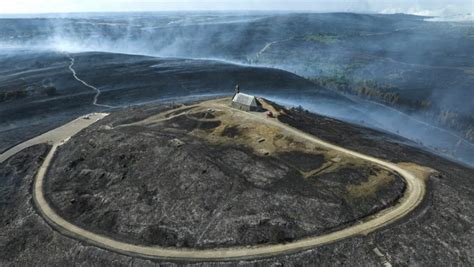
{"x":205,"y":176}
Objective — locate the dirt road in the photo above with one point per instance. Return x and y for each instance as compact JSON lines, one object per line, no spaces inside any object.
{"x":414,"y":193}
{"x":55,"y":136}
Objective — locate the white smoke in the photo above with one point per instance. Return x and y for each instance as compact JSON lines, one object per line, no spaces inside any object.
{"x":461,"y":9}
{"x":447,"y":13}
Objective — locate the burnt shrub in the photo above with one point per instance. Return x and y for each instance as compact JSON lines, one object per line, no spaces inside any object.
{"x":49,"y":91}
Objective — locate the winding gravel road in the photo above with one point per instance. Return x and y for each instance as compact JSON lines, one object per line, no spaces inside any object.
{"x":413,"y":196}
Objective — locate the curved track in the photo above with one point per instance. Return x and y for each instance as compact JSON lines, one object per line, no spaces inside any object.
{"x":97,"y":90}
{"x":414,"y":193}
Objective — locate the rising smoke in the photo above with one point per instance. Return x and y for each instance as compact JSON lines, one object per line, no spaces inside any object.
{"x":285,"y":41}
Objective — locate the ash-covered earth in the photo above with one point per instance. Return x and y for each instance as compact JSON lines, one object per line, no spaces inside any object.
{"x":28,"y":108}
{"x":439,"y":232}
{"x":200,"y":178}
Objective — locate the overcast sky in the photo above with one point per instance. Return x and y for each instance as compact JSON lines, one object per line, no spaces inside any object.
{"x":418,"y":7}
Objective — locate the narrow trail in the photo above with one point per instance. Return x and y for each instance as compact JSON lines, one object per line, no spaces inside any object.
{"x":414,"y":193}
{"x":268,"y":45}
{"x":98,"y":92}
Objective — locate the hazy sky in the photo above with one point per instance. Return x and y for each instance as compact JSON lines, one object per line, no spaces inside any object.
{"x":418,"y":7}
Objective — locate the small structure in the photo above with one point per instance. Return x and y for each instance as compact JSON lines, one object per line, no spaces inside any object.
{"x":246,"y":102}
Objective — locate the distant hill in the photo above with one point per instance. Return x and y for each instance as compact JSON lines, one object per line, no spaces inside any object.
{"x":123,"y":80}
{"x":420,"y":61}
{"x":422,"y":70}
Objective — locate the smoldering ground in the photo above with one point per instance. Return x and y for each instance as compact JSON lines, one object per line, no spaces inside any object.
{"x":380,"y":48}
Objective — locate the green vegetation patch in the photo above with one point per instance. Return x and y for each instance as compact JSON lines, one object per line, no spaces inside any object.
{"x":321,"y":38}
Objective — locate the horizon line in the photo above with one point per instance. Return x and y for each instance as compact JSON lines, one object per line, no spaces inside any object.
{"x":208,"y":11}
